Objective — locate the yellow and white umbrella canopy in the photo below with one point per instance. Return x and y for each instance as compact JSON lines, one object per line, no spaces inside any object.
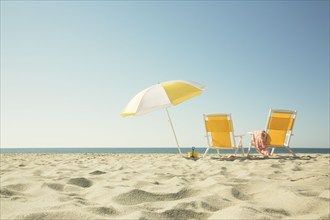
{"x":162,"y":95}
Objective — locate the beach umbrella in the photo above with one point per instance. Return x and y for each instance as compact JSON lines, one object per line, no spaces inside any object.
{"x":162,"y":96}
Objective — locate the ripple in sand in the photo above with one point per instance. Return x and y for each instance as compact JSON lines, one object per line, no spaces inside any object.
{"x":82,"y":182}
{"x":277,"y":212}
{"x":55,"y":186}
{"x":97,"y":172}
{"x":296,"y":168}
{"x":18,"y":198}
{"x":37,"y":173}
{"x":81,"y":201}
{"x":238,"y":180}
{"x":308,"y":193}
{"x":325,"y":217}
{"x":276,"y":166}
{"x":52,"y":215}
{"x":177,"y":214}
{"x":325,"y":195}
{"x":137,"y":196}
{"x":103,"y":210}
{"x":238,"y":194}
{"x":18,"y":187}
{"x":6,"y":193}
{"x":197,"y":205}
{"x":239,"y":212}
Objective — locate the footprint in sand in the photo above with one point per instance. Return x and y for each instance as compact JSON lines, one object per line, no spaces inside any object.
{"x":81,"y":182}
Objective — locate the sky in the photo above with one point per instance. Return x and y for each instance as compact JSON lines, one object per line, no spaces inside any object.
{"x":68,"y":69}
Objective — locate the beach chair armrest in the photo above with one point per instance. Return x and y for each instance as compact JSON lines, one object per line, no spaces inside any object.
{"x":239,"y":135}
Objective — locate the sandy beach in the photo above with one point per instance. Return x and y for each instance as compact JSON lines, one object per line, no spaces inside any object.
{"x":163,"y":186}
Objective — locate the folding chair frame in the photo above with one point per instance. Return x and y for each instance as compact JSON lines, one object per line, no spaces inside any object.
{"x":289,"y":133}
{"x":232,"y":135}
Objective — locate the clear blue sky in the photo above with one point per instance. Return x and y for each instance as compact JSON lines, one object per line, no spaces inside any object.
{"x":68,"y":68}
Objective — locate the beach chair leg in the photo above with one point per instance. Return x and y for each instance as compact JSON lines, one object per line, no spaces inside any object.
{"x":240,"y":146}
{"x":289,"y":149}
{"x":207,"y":150}
{"x":218,"y":152}
{"x":272,"y":152}
{"x":248,"y":153}
{"x":236,"y":149}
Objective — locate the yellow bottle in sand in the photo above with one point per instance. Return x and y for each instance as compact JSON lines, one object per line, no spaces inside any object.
{"x":193,"y":154}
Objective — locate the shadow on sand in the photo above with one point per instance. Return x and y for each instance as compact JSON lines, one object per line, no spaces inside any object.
{"x":260,"y":157}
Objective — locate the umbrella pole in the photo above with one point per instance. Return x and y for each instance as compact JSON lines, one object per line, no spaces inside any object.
{"x":176,"y":139}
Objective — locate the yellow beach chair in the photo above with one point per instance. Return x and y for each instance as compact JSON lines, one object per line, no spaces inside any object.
{"x":220,"y":133}
{"x":279,"y":130}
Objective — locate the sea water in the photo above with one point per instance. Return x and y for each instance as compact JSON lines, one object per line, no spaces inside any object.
{"x":123,"y":150}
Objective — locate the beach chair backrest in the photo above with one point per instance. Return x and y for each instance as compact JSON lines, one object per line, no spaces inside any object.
{"x":219,"y":130}
{"x":279,"y":127}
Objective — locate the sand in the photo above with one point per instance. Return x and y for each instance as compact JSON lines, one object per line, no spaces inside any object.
{"x":163,"y":186}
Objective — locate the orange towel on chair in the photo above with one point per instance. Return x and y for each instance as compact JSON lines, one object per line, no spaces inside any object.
{"x":259,"y":139}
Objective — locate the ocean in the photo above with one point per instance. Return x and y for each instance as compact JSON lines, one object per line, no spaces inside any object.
{"x":123,"y":150}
